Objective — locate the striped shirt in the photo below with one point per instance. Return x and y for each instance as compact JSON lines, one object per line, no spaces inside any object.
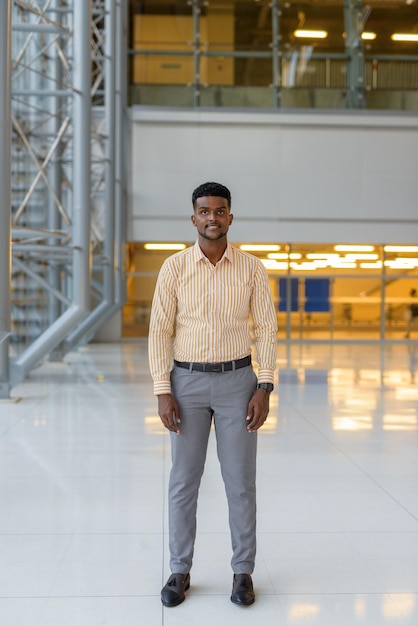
{"x":202,"y":313}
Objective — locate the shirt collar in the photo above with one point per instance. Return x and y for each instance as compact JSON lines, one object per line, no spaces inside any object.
{"x":198,"y":254}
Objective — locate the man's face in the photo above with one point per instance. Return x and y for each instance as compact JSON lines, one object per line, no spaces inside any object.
{"x":212,"y":217}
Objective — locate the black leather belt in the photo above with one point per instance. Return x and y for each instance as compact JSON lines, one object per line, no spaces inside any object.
{"x":226,"y":366}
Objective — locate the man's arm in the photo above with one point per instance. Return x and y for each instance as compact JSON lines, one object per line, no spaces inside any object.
{"x":265,"y":330}
{"x":161,"y":331}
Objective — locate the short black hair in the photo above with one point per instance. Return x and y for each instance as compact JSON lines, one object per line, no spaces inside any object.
{"x":211,"y":189}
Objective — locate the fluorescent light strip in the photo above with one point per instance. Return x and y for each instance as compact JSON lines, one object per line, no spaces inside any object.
{"x":361,"y":257}
{"x":404,"y":37}
{"x":272,"y":264}
{"x":368,"y":36}
{"x":401,"y":248}
{"x":164,"y":246}
{"x":311,"y":34}
{"x":284,"y":255}
{"x":376,"y":265}
{"x":259,"y":248}
{"x":323,"y":255}
{"x":401,"y":264}
{"x":351,"y":248}
{"x":303,"y":266}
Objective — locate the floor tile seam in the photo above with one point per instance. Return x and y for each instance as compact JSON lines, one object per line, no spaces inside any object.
{"x":62,"y":562}
{"x":43,"y":611}
{"x":332,"y":532}
{"x":80,"y":597}
{"x":332,"y":593}
{"x":164,"y":513}
{"x":82,"y":534}
{"x":353,"y":462}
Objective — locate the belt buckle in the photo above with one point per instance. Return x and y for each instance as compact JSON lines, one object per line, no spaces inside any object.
{"x":217,"y":369}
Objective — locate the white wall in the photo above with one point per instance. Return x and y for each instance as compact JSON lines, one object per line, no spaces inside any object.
{"x":294,"y":177}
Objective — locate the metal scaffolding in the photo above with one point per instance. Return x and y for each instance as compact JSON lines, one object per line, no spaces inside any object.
{"x":67,"y":172}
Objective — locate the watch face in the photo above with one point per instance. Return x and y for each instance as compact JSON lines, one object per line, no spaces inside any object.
{"x":267,"y":386}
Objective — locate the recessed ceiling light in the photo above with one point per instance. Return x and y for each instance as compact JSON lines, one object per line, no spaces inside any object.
{"x":401,"y":248}
{"x":404,"y":37}
{"x":311,"y":34}
{"x":351,"y":248}
{"x":368,"y":36}
{"x":164,"y":246}
{"x":250,"y":247}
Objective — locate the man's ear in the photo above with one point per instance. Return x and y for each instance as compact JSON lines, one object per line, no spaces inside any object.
{"x":192,"y":217}
{"x":231,"y":217}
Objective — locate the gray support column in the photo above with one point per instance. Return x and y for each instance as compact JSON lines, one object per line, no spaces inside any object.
{"x":107,"y":307}
{"x":122,"y":150}
{"x":196,"y":52}
{"x":81,"y":199}
{"x":82,"y":158}
{"x":353,"y":23}
{"x":276,"y":48}
{"x":55,"y":176}
{"x":383,"y":309}
{"x":5,"y":206}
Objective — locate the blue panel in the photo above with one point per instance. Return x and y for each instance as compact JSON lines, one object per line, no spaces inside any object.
{"x":317,"y":295}
{"x":294,"y":293}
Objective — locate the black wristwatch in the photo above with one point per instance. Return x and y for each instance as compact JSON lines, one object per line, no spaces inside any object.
{"x":267,"y":386}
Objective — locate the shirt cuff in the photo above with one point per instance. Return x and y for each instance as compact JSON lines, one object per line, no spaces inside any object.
{"x":161,"y":387}
{"x":265,"y":376}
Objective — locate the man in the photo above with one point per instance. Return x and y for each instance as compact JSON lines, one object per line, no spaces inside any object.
{"x":204,"y":299}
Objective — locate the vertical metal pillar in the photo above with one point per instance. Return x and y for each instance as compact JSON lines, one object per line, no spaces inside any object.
{"x":383,"y":299}
{"x":276,"y":49}
{"x":106,"y":308}
{"x":288,"y":297}
{"x":55,"y":177}
{"x":196,"y":52}
{"x":82,"y":158}
{"x":80,"y":199}
{"x":332,"y":312}
{"x":353,"y":23}
{"x":109,"y":172}
{"x":122,"y":140}
{"x":5,"y":204}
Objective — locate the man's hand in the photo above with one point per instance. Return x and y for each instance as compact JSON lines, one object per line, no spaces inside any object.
{"x":168,"y":411}
{"x":258,"y":409}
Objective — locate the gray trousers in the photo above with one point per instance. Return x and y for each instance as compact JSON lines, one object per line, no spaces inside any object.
{"x":224,"y":398}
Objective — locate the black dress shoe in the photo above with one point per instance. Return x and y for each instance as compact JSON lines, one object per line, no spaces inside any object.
{"x":242,"y":590}
{"x":172,"y":593}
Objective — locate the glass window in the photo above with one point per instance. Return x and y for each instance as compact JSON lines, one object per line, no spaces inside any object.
{"x":251,"y":56}
{"x":321,"y":292}
{"x":162,"y":36}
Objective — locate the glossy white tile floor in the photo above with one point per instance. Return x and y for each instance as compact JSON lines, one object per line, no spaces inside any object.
{"x":84,"y":464}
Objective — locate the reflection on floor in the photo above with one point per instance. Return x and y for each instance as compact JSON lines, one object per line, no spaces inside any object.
{"x":84,"y":463}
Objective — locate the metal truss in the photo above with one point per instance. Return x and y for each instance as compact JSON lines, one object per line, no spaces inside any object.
{"x":64,"y":169}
